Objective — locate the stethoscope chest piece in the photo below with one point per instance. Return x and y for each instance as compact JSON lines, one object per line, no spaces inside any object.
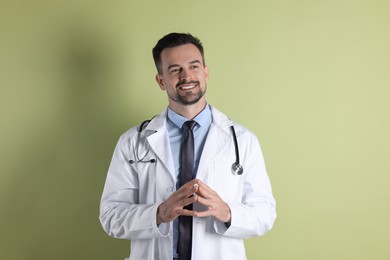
{"x":237,"y":168}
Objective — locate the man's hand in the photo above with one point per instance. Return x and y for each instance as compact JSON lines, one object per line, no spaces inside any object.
{"x":216,"y":206}
{"x":173,"y":207}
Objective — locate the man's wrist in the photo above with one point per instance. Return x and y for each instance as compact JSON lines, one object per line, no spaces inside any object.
{"x":158,"y":215}
{"x":229,"y":214}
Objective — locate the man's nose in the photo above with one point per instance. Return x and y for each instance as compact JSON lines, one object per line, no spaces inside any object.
{"x":185,"y":75}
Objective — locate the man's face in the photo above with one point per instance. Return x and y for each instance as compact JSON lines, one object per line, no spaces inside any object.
{"x":183,"y":75}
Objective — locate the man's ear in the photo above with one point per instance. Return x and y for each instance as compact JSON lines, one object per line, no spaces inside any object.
{"x":160,"y":82}
{"x":206,"y":70}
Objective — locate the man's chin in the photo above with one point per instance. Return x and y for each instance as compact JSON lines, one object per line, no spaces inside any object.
{"x":190,"y":99}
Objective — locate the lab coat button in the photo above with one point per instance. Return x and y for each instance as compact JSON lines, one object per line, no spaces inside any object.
{"x":170,"y":189}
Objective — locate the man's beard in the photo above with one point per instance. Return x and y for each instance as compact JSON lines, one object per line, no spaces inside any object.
{"x":189,"y":98}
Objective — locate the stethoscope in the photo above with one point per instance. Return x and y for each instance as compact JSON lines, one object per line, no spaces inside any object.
{"x":237,"y":168}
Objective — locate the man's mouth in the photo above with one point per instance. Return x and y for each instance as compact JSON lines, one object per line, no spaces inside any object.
{"x":187,"y":86}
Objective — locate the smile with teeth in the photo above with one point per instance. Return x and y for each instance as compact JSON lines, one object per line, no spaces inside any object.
{"x":187,"y":87}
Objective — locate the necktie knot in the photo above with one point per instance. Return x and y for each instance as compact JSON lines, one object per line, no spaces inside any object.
{"x":189,"y":125}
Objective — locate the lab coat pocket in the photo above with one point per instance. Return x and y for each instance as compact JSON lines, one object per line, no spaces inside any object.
{"x":146,"y":176}
{"x":229,"y":186}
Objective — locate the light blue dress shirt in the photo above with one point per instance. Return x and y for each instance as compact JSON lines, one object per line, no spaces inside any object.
{"x":174,"y":124}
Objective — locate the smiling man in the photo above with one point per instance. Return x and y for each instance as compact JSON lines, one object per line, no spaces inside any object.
{"x":171,"y":187}
{"x":183,"y":74}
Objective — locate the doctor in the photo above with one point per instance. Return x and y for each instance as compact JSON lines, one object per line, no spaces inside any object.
{"x":145,"y":198}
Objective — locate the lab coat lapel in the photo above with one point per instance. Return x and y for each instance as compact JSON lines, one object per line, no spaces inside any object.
{"x":159,"y":143}
{"x":217,"y":139}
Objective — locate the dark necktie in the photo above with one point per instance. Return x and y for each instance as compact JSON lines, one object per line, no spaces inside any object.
{"x":186,"y":175}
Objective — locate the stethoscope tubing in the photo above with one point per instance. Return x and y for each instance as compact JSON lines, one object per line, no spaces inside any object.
{"x":237,"y":168}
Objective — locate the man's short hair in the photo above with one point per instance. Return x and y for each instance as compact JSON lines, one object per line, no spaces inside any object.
{"x":173,"y":40}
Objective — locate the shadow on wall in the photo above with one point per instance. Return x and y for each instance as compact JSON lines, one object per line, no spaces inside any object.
{"x":52,"y":198}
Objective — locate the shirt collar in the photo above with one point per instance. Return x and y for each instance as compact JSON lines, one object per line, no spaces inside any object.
{"x":203,"y":118}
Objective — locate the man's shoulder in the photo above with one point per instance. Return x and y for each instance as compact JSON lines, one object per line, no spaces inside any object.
{"x":221,"y":119}
{"x":153,"y":123}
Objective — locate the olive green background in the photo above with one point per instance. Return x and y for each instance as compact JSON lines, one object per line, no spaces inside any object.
{"x":310,"y":78}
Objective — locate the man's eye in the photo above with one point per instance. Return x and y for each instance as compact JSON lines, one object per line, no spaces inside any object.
{"x":175,"y":70}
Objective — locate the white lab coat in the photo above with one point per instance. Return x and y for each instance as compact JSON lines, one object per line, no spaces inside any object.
{"x":133,"y":192}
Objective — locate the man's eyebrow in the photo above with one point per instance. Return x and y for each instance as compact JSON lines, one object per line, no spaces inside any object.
{"x":173,"y":65}
{"x":195,"y":61}
{"x":177,"y":65}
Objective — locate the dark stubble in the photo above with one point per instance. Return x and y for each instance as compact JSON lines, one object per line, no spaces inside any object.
{"x":189,"y":98}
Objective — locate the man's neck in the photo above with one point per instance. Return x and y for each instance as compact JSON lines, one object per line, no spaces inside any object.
{"x":188,"y":111}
